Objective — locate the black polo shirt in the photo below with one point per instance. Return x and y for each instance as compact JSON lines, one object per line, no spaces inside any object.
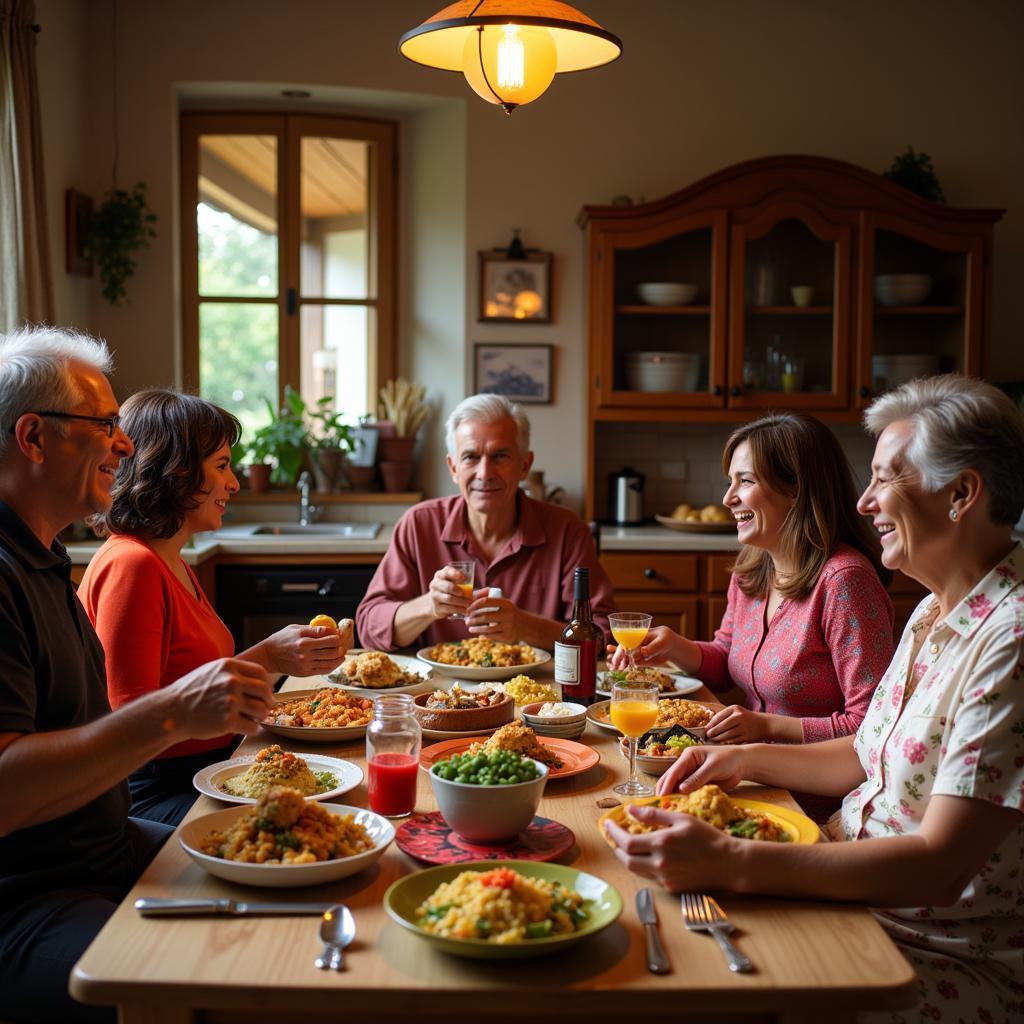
{"x":52,"y":677}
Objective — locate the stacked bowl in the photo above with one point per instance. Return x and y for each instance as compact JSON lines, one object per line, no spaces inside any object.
{"x":902,"y":289}
{"x":566,"y":727}
{"x":667,"y":293}
{"x":662,"y":371}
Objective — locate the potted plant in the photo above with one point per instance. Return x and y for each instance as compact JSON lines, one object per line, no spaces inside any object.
{"x":328,"y":440}
{"x":121,"y":227}
{"x":281,"y":443}
{"x":403,"y":406}
{"x":914,"y":171}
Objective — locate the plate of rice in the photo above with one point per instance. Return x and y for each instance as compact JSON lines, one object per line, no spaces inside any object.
{"x":243,"y":780}
{"x":670,"y":684}
{"x":502,"y":910}
{"x":285,"y":840}
{"x":372,"y":672}
{"x":327,"y":715}
{"x":479,"y":658}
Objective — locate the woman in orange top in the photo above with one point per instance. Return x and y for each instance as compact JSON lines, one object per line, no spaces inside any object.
{"x":149,"y":611}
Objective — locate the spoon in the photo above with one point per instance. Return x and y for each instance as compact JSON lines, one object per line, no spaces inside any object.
{"x":337,"y":930}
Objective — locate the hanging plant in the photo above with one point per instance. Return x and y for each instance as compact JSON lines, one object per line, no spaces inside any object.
{"x":914,"y":171}
{"x":121,"y":227}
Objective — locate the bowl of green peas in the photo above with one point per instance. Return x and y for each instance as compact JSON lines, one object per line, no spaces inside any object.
{"x":488,"y":798}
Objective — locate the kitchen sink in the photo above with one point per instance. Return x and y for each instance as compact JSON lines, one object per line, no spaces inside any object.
{"x":350,"y":531}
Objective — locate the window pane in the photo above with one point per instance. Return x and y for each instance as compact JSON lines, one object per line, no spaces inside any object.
{"x":237,"y":215}
{"x":335,"y":250}
{"x":238,"y":359}
{"x":336,"y":349}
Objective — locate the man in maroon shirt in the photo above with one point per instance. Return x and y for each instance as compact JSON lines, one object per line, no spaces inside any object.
{"x":526,"y":548}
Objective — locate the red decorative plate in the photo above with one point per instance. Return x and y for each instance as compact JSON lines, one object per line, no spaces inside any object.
{"x":429,"y":837}
{"x":576,"y":757}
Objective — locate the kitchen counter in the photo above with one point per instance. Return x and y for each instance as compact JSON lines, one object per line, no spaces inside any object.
{"x":655,"y":537}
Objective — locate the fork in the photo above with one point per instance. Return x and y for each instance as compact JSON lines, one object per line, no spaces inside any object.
{"x":703,"y":914}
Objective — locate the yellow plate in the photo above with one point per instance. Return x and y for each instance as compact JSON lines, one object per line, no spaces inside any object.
{"x":797,"y":826}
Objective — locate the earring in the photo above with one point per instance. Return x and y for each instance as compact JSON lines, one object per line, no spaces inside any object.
{"x":953,"y":514}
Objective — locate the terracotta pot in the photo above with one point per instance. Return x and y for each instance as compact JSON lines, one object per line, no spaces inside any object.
{"x":327,"y":464}
{"x":259,"y":477}
{"x":395,"y":449}
{"x":360,"y":477}
{"x":396,"y":475}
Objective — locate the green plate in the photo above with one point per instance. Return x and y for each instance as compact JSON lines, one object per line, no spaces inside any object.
{"x":602,"y":902}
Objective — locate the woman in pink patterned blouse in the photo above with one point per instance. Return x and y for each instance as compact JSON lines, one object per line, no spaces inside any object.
{"x":932,"y":825}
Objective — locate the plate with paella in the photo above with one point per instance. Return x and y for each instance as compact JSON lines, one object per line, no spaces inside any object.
{"x":502,"y":910}
{"x":670,"y":683}
{"x":734,"y":815}
{"x":369,"y":673}
{"x":327,"y":715}
{"x":479,"y":658}
{"x":691,"y":714}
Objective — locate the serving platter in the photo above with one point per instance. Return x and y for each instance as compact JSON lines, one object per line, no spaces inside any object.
{"x":477,"y":675}
{"x":682,"y":526}
{"x":600,"y":715}
{"x":280,"y":876}
{"x":797,"y":826}
{"x":683,"y":684}
{"x":406,"y":663}
{"x":601,"y":901}
{"x":312,"y":734}
{"x":576,"y":757}
{"x":210,"y":779}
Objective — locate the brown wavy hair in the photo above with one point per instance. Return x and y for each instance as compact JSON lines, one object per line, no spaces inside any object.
{"x":798,"y":456}
{"x":156,"y":486}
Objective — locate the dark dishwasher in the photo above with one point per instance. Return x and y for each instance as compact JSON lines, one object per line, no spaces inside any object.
{"x":255,"y":601}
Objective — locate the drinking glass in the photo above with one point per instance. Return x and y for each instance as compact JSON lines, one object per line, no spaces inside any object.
{"x":634,"y":710}
{"x":629,"y":630}
{"x":466,"y":586}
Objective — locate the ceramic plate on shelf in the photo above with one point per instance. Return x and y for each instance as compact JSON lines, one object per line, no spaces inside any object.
{"x":576,"y":757}
{"x":408,"y":665}
{"x":210,"y":780}
{"x":602,"y":904}
{"x":479,"y":674}
{"x":690,"y":527}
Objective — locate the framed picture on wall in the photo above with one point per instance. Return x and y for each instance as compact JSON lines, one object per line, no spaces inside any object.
{"x":77,"y":219}
{"x":520,"y":372}
{"x":515,"y":290}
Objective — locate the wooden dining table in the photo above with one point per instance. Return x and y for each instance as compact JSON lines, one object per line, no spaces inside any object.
{"x":813,"y":960}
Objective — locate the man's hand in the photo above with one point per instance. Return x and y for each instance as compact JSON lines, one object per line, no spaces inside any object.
{"x":497,"y":618}
{"x":222,"y":696}
{"x":445,"y":596}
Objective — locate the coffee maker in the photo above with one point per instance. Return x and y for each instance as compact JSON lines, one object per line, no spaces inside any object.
{"x":626,"y":498}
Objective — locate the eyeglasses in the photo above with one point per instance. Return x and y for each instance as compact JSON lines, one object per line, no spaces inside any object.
{"x":110,"y":422}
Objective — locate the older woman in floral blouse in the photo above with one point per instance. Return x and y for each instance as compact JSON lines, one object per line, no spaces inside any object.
{"x":934,"y":778}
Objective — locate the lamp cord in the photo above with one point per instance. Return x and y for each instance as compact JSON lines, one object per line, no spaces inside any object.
{"x":507,"y":107}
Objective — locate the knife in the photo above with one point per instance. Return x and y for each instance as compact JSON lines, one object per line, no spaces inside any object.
{"x":657,"y":961}
{"x":152,"y":906}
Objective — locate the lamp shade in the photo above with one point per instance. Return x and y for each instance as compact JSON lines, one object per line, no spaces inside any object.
{"x":510,"y":50}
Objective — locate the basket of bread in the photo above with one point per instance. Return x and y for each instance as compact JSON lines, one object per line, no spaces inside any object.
{"x":709,"y":519}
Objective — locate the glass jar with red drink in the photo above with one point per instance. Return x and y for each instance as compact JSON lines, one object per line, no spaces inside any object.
{"x":393,"y":755}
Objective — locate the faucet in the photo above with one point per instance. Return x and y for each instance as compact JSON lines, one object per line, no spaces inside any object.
{"x":308,"y":514}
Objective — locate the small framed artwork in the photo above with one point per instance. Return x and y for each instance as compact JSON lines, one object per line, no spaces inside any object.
{"x":519,"y":372}
{"x":516,"y":290}
{"x":77,"y":218}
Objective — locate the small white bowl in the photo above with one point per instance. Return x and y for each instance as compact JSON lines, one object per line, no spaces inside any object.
{"x":667,"y":293}
{"x":532,"y":717}
{"x":488,"y":814}
{"x":902,"y":289}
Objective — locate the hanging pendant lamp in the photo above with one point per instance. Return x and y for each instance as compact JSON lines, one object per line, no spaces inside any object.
{"x":510,"y":50}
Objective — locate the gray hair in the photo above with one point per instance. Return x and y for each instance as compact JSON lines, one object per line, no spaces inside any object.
{"x":488,"y":408}
{"x":959,"y":423}
{"x":35,"y":371}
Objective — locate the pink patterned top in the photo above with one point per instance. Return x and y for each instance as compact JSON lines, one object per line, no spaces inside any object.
{"x":821,"y":656}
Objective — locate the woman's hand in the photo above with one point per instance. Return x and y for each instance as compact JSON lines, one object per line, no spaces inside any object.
{"x":700,"y":765}
{"x":306,"y":650}
{"x":660,"y":645}
{"x":735,"y":724}
{"x":687,"y":854}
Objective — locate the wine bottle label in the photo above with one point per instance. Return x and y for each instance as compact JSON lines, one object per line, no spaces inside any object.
{"x":567,"y":664}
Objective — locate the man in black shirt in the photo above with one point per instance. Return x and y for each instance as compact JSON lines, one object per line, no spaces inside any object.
{"x":68,"y":850}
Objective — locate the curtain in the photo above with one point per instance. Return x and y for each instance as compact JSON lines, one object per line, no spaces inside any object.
{"x":26,"y":288}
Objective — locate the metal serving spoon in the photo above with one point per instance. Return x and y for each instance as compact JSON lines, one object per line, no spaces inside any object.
{"x":337,"y":930}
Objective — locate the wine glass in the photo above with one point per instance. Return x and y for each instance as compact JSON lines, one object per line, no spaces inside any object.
{"x":629,"y":630}
{"x":465,"y":584}
{"x":634,"y":710}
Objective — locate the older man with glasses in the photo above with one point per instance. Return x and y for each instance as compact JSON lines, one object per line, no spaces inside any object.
{"x":68,"y":850}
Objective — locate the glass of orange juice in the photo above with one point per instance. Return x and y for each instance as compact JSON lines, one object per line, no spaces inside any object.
{"x":465,"y":584}
{"x":629,"y":630}
{"x":634,"y":710}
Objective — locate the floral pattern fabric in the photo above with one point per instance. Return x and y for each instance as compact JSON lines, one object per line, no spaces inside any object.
{"x":958,"y":731}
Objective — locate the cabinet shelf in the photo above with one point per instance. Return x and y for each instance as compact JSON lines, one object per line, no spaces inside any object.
{"x":790,"y":310}
{"x":918,"y":311}
{"x":664,"y":310}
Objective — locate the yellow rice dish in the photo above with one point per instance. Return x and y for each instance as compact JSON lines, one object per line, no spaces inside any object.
{"x":481,"y":652}
{"x":710,"y":804}
{"x":274,"y":767}
{"x":524,"y":690}
{"x":282,"y":828}
{"x":687,"y":713}
{"x":501,"y":906}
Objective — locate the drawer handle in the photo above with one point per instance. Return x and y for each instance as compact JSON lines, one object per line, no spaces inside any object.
{"x":650,"y":574}
{"x":299,"y":588}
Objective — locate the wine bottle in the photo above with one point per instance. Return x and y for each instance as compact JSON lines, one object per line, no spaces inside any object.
{"x":580,"y":645}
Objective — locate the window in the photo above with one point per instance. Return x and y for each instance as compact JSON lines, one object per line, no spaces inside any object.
{"x":288,"y":254}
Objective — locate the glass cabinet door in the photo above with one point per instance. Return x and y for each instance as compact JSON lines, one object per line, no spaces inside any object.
{"x":664,"y":331}
{"x":789,"y":302}
{"x":922,"y":305}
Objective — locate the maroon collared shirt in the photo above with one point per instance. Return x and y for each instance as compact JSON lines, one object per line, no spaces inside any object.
{"x":534,"y":569}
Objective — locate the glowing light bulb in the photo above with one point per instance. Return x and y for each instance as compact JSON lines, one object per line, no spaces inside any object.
{"x":509,"y":64}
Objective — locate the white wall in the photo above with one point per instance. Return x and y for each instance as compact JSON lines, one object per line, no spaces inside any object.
{"x":701,"y":85}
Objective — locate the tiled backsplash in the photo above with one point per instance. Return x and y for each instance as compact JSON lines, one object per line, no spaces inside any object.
{"x":682,"y":462}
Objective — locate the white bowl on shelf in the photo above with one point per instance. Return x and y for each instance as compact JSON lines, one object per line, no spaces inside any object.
{"x":902,"y":289}
{"x":662,"y":371}
{"x":667,"y":293}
